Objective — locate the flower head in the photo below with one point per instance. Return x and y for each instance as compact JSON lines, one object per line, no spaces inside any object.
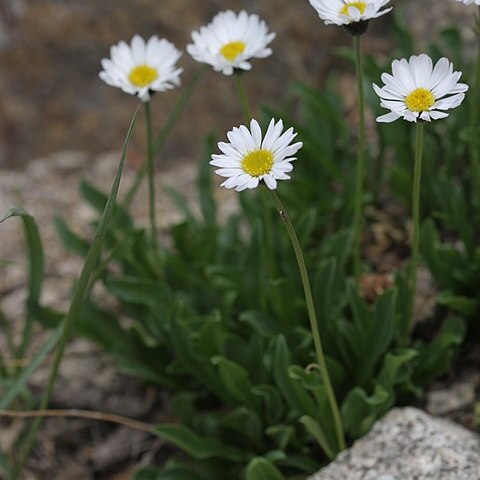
{"x":141,"y":68}
{"x":419,"y":91}
{"x":250,"y":158}
{"x":230,"y":41}
{"x":346,"y":12}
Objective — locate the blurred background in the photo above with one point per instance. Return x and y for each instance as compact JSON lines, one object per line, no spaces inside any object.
{"x":51,"y":98}
{"x":59,"y":122}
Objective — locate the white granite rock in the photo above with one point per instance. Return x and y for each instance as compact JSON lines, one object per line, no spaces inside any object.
{"x":408,"y":444}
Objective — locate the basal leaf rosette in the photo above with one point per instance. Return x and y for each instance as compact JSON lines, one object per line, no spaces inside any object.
{"x":230,"y":41}
{"x":142,"y":68}
{"x":251,"y":158}
{"x":416,"y":90}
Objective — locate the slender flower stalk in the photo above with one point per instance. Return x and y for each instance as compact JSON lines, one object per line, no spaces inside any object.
{"x":417,"y":178}
{"x":474,"y":111}
{"x":313,"y":319}
{"x":354,"y":17}
{"x":150,"y":173}
{"x":77,"y":302}
{"x":252,"y":159}
{"x":170,"y":122}
{"x":242,"y":96}
{"x":360,"y":167}
{"x":142,"y":68}
{"x":418,"y":92}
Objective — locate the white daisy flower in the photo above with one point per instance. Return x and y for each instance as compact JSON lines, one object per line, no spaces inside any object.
{"x":230,"y":41}
{"x":346,"y":12}
{"x":142,"y":68}
{"x":418,"y":91}
{"x":249,"y":159}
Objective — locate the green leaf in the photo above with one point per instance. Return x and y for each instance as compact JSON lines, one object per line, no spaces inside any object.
{"x":150,"y":473}
{"x":458,"y":303}
{"x":274,"y":406}
{"x":261,"y":469}
{"x":138,"y":290}
{"x":98,"y":200}
{"x":70,"y":240}
{"x":5,"y":466}
{"x":359,"y":411}
{"x":81,"y":289}
{"x":236,"y":381}
{"x":435,"y":358}
{"x":324,"y":287}
{"x":212,"y":335}
{"x":397,"y":368}
{"x":261,"y":323}
{"x":462,"y":216}
{"x":22,"y":378}
{"x":361,"y":315}
{"x":295,"y":394}
{"x":244,"y":427}
{"x":197,"y":365}
{"x":198,"y":447}
{"x":36,"y":266}
{"x":305,"y":225}
{"x":181,"y":203}
{"x":301,"y":462}
{"x":255,"y":265}
{"x":379,"y":335}
{"x":34,"y":247}
{"x":282,"y":435}
{"x":205,"y":188}
{"x":314,"y":428}
{"x":174,"y":470}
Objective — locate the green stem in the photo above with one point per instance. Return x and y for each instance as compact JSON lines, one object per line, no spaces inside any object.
{"x":150,"y":174}
{"x":119,"y":244}
{"x":313,"y":319}
{"x":173,"y":116}
{"x":474,"y":113}
{"x":417,"y":177}
{"x":360,"y":166}
{"x":77,"y":301}
{"x":242,"y":95}
{"x":170,"y":122}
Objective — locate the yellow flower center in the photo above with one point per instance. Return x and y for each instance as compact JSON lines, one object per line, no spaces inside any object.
{"x":257,"y":163}
{"x":142,"y":76}
{"x":419,"y":100}
{"x":231,"y":50}
{"x":360,"y":6}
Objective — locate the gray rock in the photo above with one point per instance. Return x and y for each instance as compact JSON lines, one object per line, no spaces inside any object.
{"x":458,"y":397}
{"x":409,"y":444}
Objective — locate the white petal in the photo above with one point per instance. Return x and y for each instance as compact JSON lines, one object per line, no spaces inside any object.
{"x":450,"y":102}
{"x":388,"y":117}
{"x":256,"y":133}
{"x":436,"y":115}
{"x":270,"y":182}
